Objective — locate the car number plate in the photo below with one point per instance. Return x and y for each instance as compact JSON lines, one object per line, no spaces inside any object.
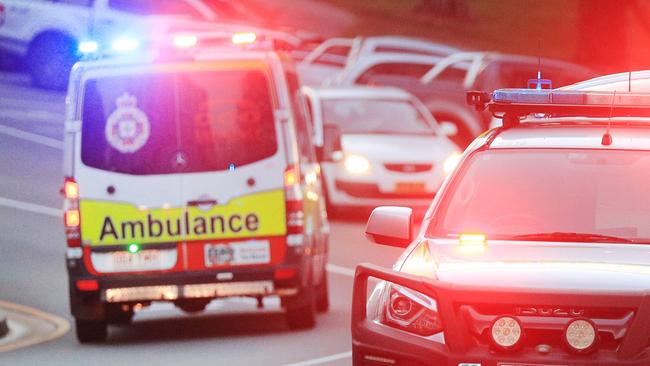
{"x":142,"y":260}
{"x":239,"y":253}
{"x":410,"y":187}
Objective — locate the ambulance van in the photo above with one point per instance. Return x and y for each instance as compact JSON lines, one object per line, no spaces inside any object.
{"x":187,"y":180}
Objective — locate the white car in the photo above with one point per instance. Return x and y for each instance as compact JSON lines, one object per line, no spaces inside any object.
{"x":332,"y":56}
{"x":378,"y":146}
{"x":362,"y":71}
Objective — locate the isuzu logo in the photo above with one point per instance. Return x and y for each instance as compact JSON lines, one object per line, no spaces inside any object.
{"x":549,"y":311}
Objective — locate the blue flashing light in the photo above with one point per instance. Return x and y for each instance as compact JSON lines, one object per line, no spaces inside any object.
{"x":87,"y":47}
{"x":232,"y":167}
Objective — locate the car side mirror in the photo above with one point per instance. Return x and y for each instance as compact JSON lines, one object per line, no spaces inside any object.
{"x":331,"y":143}
{"x":448,"y":128}
{"x":390,"y":225}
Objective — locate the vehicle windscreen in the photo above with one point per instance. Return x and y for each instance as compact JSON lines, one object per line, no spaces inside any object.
{"x":375,"y":116}
{"x":162,"y":123}
{"x":549,"y":195}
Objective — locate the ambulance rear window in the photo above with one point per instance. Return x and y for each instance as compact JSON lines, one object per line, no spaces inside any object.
{"x":171,"y":123}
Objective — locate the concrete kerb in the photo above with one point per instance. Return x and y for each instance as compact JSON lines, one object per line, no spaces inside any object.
{"x":4,"y":328}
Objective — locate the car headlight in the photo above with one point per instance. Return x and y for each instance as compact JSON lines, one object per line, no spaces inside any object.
{"x":357,"y":164}
{"x":411,"y":311}
{"x":450,"y":162}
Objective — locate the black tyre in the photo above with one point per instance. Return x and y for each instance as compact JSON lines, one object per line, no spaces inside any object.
{"x":193,"y":306}
{"x":50,"y":59}
{"x":322,"y":295}
{"x":91,"y":331}
{"x":303,"y":316}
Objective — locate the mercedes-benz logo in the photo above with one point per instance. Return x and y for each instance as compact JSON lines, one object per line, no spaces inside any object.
{"x":179,"y":161}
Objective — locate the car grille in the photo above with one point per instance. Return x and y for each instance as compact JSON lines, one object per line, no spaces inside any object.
{"x":408,"y":168}
{"x":546,"y":326}
{"x":371,"y":190}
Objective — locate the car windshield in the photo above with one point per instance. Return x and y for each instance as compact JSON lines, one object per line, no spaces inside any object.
{"x":549,"y":195}
{"x":162,"y":123}
{"x":375,"y":116}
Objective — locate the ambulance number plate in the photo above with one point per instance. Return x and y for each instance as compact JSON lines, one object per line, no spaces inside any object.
{"x":237,"y":253}
{"x":141,"y":261}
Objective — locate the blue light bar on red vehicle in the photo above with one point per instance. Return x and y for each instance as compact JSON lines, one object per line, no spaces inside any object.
{"x":523,"y":102}
{"x":578,"y":98}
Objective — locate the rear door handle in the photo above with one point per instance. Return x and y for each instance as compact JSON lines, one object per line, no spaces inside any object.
{"x":204,"y":202}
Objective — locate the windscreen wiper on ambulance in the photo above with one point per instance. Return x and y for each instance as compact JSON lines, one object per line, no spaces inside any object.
{"x":572,"y":236}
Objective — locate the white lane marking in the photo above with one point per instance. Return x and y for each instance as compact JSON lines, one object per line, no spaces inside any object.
{"x":31,"y":137}
{"x":333,"y":268}
{"x":322,"y":360}
{"x":31,"y":207}
{"x":61,"y":326}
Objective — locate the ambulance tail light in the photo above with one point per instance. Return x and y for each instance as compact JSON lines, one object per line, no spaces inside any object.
{"x":71,"y":189}
{"x":71,"y":214}
{"x":293,"y":200}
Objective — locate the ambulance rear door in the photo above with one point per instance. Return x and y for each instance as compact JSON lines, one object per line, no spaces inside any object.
{"x":128,"y":163}
{"x":233,"y":185}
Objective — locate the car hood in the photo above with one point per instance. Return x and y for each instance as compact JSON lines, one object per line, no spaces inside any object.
{"x":398,"y":148}
{"x":545,"y":266}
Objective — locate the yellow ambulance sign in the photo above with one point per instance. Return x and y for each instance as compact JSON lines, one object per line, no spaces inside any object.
{"x":110,"y":223}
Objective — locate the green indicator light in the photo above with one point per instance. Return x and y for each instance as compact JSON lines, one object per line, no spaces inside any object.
{"x":134,"y":248}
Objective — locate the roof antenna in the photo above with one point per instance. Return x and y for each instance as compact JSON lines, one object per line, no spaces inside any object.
{"x":539,"y":83}
{"x":539,"y":64}
{"x":629,"y":82}
{"x":539,"y":58}
{"x":607,"y":137}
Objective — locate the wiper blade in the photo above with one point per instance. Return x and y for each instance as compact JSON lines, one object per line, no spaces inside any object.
{"x":571,"y":236}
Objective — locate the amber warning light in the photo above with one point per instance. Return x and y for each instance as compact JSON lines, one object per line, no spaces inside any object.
{"x":472,"y":243}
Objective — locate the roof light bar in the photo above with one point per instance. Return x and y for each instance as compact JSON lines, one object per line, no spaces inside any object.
{"x":87,"y":47}
{"x":125,"y":44}
{"x":558,"y":103}
{"x":578,"y":98}
{"x":185,"y":41}
{"x":244,"y":38}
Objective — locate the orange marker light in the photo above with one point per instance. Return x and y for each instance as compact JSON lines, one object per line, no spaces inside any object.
{"x":72,"y":218}
{"x":290,"y":177}
{"x":472,"y":243}
{"x":244,"y":38}
{"x":71,"y":189}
